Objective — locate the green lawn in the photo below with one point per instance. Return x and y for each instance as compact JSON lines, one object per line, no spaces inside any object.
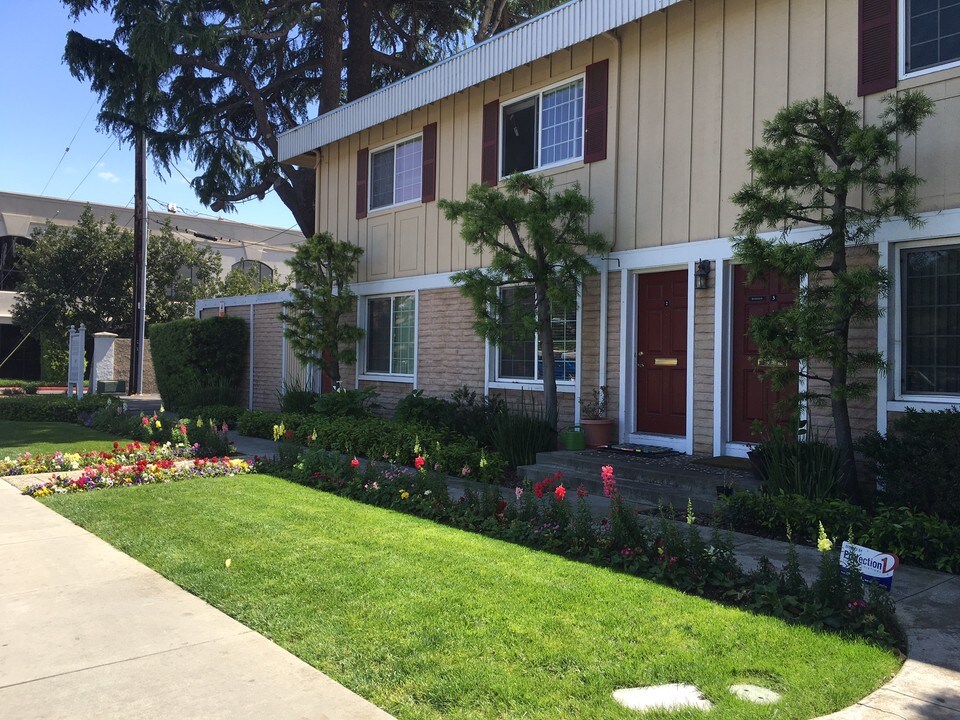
{"x":48,"y":437}
{"x":431,"y":622}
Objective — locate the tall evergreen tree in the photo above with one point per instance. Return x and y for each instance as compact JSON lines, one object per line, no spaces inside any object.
{"x":219,"y":80}
{"x":821,"y":165}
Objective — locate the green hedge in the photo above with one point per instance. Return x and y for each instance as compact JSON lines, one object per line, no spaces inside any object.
{"x":377,"y":438}
{"x":199,"y":362}
{"x":917,"y":538}
{"x":48,"y":408}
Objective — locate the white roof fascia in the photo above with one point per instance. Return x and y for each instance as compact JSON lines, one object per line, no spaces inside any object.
{"x":562,"y":27}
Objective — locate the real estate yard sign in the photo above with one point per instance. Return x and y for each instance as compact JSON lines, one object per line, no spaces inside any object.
{"x":875,"y":566}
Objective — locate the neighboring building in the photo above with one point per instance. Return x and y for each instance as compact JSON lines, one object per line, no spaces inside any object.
{"x":252,"y":247}
{"x":650,"y":107}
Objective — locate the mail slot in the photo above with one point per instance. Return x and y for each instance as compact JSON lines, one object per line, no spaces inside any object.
{"x":665,"y":361}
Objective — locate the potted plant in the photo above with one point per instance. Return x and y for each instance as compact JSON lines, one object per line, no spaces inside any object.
{"x":593,"y":419}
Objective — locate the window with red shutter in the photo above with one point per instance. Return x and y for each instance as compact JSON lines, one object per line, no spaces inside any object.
{"x":595,"y":112}
{"x":489,"y":167}
{"x":932,"y":34}
{"x":878,"y":46}
{"x":363,"y":170}
{"x":428,"y":179}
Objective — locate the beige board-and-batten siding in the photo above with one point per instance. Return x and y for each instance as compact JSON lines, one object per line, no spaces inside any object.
{"x":263,"y":386}
{"x":690,"y":89}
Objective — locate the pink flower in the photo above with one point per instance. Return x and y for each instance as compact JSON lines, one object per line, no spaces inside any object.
{"x":419,"y":462}
{"x":224,"y":427}
{"x":354,"y":463}
{"x":609,"y":484}
{"x":560,"y":492}
{"x":519,"y":492}
{"x":145,"y":420}
{"x":582,"y":492}
{"x":626,"y":552}
{"x":465,"y":471}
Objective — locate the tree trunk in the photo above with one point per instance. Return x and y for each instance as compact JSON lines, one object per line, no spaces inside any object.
{"x":298,"y":193}
{"x":359,"y":63}
{"x":332,"y":38}
{"x":838,"y":378}
{"x":546,"y":351}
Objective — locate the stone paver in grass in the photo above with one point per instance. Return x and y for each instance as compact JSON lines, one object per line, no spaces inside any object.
{"x":675,"y":696}
{"x":755,"y":694}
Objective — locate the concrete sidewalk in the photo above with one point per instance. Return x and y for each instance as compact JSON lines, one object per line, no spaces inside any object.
{"x":88,"y":632}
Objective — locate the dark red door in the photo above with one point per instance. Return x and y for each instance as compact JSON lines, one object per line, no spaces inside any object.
{"x":752,"y":398}
{"x":662,"y":353}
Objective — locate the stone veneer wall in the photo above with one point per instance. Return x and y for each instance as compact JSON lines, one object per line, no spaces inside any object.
{"x":121,"y":365}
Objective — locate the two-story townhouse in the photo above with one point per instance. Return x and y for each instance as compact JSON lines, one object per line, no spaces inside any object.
{"x":650,"y":106}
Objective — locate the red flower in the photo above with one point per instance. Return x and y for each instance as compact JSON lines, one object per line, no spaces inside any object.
{"x":538,"y":490}
{"x":288,"y":435}
{"x":560,"y":492}
{"x":354,"y":463}
{"x":582,"y":492}
{"x":419,"y":462}
{"x":183,"y":429}
{"x":116,"y":445}
{"x":501,"y":506}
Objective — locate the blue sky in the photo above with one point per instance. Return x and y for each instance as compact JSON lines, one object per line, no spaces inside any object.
{"x":44,"y":106}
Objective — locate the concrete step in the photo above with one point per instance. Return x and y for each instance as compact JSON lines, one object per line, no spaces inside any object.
{"x":146,"y":404}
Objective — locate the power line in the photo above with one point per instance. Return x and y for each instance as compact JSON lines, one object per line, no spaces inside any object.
{"x":69,"y":144}
{"x":93,"y":167}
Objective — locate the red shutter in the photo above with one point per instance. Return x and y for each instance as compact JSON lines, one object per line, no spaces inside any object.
{"x":428,"y":176}
{"x":363,"y":171}
{"x":877,"y":60}
{"x":489,"y":158}
{"x":595,"y":112}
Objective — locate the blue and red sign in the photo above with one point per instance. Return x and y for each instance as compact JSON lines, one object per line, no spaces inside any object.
{"x":875,"y":566}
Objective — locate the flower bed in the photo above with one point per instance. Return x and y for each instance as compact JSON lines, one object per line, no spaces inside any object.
{"x":139,"y":473}
{"x":31,"y":463}
{"x":545,"y":516}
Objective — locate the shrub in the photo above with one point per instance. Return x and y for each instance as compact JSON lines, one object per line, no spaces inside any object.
{"x":258,"y":423}
{"x":917,"y":462}
{"x":199,"y":362}
{"x":807,"y":467}
{"x":519,"y":436}
{"x":49,"y":408}
{"x":465,"y":413}
{"x":217,"y":413}
{"x":298,"y":401}
{"x":917,"y":538}
{"x":419,"y":408}
{"x":29,"y":387}
{"x":347,"y":403}
{"x":54,"y":360}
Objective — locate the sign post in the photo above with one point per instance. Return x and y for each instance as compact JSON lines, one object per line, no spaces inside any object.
{"x":76,"y":363}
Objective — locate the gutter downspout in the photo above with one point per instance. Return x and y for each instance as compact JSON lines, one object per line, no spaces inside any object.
{"x":605,"y":260}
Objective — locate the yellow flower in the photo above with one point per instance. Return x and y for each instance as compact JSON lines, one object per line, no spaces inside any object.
{"x":404,"y":494}
{"x":158,"y":424}
{"x":227,"y":563}
{"x":199,"y":423}
{"x":823,"y":542}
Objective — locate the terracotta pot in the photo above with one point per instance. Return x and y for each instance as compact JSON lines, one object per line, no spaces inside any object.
{"x":598,"y":432}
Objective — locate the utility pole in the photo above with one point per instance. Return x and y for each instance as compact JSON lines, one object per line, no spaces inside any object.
{"x":139,"y":263}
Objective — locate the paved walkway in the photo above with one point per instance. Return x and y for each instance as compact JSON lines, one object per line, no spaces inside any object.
{"x":88,"y":632}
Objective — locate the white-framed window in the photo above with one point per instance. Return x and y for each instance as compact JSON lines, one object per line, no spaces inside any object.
{"x":390,"y":335}
{"x":519,"y":358}
{"x":396,"y":173}
{"x":930,"y":35}
{"x":929,"y":321}
{"x":543,"y":129}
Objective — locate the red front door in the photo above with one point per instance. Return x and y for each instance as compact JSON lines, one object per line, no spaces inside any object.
{"x":752,"y":397}
{"x":662,"y":353}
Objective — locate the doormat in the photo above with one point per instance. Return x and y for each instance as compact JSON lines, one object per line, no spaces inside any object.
{"x":650,"y":451}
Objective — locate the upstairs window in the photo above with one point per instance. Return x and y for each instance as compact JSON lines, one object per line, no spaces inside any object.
{"x":931,"y":321}
{"x":543,"y":129}
{"x":932,"y":36}
{"x":259,"y":271}
{"x":396,"y":174}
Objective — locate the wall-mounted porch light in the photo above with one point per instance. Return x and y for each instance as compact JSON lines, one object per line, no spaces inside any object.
{"x":702,"y":274}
